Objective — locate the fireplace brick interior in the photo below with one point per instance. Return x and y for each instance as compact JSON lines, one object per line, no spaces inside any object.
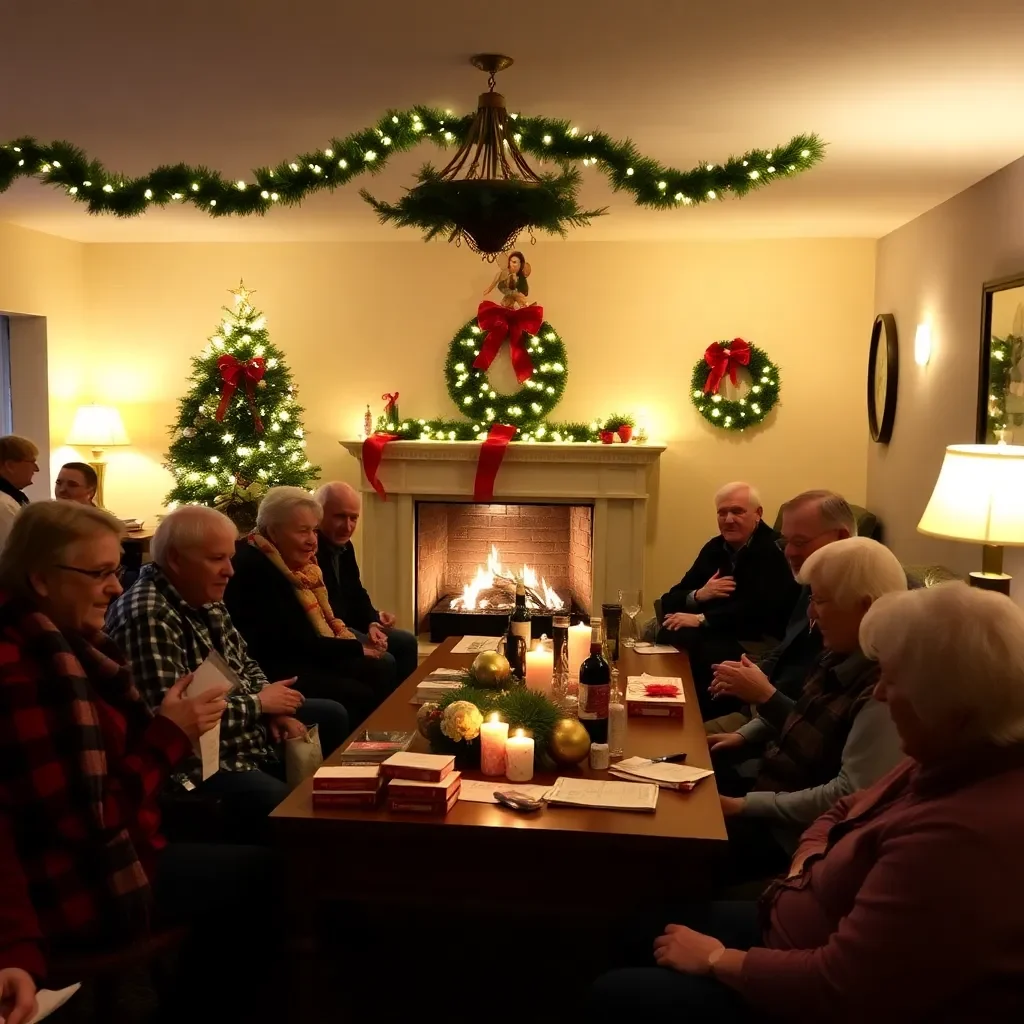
{"x":454,"y":539}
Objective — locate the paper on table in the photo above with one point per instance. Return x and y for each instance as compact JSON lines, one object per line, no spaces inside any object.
{"x":478,"y":792}
{"x":614,"y":796}
{"x":476,"y":644}
{"x":214,"y":671}
{"x":655,"y":649}
{"x":665,"y":773}
{"x":48,"y":1000}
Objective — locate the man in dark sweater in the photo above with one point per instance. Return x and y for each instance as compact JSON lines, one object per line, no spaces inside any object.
{"x":349,"y":600}
{"x":739,"y":588}
{"x":809,"y":521}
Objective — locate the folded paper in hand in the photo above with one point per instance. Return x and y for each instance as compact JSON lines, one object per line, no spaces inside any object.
{"x":49,"y":1000}
{"x":214,"y":671}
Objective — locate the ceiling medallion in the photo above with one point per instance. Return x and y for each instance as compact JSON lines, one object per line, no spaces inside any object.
{"x":488,"y":193}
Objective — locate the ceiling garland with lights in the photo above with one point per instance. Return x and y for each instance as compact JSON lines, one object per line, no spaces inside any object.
{"x":649,"y":183}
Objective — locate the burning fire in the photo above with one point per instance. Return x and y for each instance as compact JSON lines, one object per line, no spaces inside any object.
{"x":497,"y":577}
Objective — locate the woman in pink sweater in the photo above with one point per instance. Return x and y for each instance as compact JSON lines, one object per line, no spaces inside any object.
{"x":903,"y":902}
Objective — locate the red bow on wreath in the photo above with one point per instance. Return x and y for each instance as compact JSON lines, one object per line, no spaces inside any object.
{"x":232,"y":372}
{"x":725,"y":358}
{"x":500,"y":322}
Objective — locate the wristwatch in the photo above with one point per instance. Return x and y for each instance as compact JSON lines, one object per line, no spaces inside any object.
{"x":713,"y":957}
{"x":701,"y":618}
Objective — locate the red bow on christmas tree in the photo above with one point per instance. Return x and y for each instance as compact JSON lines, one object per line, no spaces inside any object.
{"x":233,"y":372}
{"x":501,"y":323}
{"x":725,"y":358}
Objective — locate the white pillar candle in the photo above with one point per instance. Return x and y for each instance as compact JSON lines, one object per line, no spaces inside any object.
{"x":519,"y":757}
{"x":539,"y":666}
{"x":493,"y":734}
{"x":579,"y":648}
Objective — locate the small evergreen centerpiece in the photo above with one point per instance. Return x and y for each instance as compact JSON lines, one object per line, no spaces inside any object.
{"x":621,"y":425}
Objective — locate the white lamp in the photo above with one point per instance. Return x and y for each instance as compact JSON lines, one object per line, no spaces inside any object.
{"x":979,"y":497}
{"x":97,"y":427}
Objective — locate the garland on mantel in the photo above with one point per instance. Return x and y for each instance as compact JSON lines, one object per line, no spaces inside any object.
{"x":648,"y":182}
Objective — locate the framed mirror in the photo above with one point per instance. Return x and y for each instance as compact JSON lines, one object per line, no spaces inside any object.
{"x":883,"y":377}
{"x":1001,"y":374}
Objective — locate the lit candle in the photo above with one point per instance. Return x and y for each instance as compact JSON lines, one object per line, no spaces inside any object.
{"x":579,"y":648}
{"x":519,"y":757}
{"x":493,"y":734}
{"x":539,"y":667}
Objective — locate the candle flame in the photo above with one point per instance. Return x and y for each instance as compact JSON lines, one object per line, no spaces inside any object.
{"x":494,"y":717}
{"x":519,"y":734}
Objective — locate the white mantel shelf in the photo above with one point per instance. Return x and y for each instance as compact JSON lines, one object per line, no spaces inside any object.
{"x":614,"y":478}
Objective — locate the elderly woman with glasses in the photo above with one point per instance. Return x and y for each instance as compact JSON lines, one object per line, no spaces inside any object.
{"x":901,"y":903}
{"x":278,"y":601}
{"x":82,"y":762}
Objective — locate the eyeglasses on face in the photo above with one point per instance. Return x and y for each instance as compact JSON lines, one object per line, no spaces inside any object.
{"x":100,"y":575}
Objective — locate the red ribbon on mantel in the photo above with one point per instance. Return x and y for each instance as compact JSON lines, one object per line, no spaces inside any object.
{"x":500,"y":322}
{"x":492,"y":451}
{"x":373,"y":452}
{"x":233,"y":372}
{"x":723,"y":358}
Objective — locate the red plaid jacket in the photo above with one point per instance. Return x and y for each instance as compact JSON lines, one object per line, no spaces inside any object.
{"x":51,"y":889}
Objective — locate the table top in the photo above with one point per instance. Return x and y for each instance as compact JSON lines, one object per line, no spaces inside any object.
{"x":693,"y":816}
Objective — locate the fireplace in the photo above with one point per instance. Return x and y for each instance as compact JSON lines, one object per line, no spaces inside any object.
{"x":469,"y":557}
{"x":610,"y":482}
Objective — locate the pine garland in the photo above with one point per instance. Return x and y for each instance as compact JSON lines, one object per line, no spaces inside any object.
{"x":648,"y":182}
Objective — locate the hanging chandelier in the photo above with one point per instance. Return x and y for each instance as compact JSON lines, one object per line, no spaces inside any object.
{"x":488,"y":193}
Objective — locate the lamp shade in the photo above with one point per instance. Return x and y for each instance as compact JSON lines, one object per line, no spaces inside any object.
{"x":97,"y":426}
{"x":979,"y":496}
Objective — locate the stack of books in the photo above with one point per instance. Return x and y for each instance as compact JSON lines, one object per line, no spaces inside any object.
{"x":373,"y":747}
{"x":437,"y":684}
{"x":347,"y":786}
{"x":421,"y":783}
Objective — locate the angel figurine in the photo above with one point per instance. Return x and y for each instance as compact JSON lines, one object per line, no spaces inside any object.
{"x":512,"y":282}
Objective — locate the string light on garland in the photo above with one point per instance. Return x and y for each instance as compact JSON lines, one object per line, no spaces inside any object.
{"x":736,"y":414}
{"x":291,"y":182}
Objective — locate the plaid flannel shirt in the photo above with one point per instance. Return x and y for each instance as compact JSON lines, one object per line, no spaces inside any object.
{"x":165,"y":638}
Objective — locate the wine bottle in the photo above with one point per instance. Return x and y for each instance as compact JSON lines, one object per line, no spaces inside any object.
{"x":595,"y":683}
{"x":521,"y":624}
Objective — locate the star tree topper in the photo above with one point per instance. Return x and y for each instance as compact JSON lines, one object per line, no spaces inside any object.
{"x":241,"y":293}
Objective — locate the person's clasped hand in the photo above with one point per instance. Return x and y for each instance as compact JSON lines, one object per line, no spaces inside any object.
{"x":283,"y":727}
{"x":742,"y":679}
{"x":685,"y":950}
{"x":378,"y":637}
{"x":681,"y":620}
{"x":280,"y":698}
{"x":717,"y":587}
{"x":17,"y":996}
{"x":194,"y":715}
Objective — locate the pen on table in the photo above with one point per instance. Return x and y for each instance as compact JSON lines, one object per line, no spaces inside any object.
{"x":672,"y":758}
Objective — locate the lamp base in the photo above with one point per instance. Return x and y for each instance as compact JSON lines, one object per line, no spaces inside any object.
{"x":99,"y":467}
{"x":995,"y":581}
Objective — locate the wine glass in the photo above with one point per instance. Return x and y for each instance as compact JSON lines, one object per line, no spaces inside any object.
{"x":631,"y":602}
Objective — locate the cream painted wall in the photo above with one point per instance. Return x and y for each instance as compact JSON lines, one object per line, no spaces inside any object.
{"x":933,"y":269}
{"x":357,"y":320}
{"x":42,"y":276}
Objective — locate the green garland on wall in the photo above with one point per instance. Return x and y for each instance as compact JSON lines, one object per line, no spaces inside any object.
{"x":648,"y":182}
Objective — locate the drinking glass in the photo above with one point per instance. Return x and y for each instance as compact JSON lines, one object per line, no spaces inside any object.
{"x":631,"y":602}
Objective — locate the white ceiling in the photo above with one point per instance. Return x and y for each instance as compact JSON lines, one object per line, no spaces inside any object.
{"x":917,"y":99}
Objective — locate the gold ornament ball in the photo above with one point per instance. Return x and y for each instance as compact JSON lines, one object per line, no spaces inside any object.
{"x":491,"y":669}
{"x":570,"y":742}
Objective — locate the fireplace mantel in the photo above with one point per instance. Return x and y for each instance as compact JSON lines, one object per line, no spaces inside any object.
{"x":614,"y":478}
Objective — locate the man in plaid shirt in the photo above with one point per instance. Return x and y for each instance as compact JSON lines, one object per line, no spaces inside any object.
{"x":170,"y":621}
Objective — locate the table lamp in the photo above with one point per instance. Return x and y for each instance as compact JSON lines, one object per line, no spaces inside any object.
{"x":979,"y":496}
{"x":97,"y":427}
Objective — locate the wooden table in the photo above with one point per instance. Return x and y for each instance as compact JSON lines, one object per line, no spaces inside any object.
{"x":571,"y":859}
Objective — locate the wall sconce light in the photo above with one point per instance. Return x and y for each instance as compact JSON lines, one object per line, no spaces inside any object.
{"x":923,"y":344}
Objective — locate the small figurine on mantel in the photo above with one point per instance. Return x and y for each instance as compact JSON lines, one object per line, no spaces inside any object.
{"x":513,"y":282}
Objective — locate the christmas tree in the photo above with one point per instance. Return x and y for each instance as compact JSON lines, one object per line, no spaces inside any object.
{"x":239,"y":428}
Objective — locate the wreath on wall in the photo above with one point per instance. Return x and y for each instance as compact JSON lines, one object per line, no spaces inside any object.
{"x":725,"y":359}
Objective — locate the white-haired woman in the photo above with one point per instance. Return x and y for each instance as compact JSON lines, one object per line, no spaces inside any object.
{"x":796,"y":758}
{"x":900,"y":905}
{"x":83,"y":861}
{"x":279,"y":603}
